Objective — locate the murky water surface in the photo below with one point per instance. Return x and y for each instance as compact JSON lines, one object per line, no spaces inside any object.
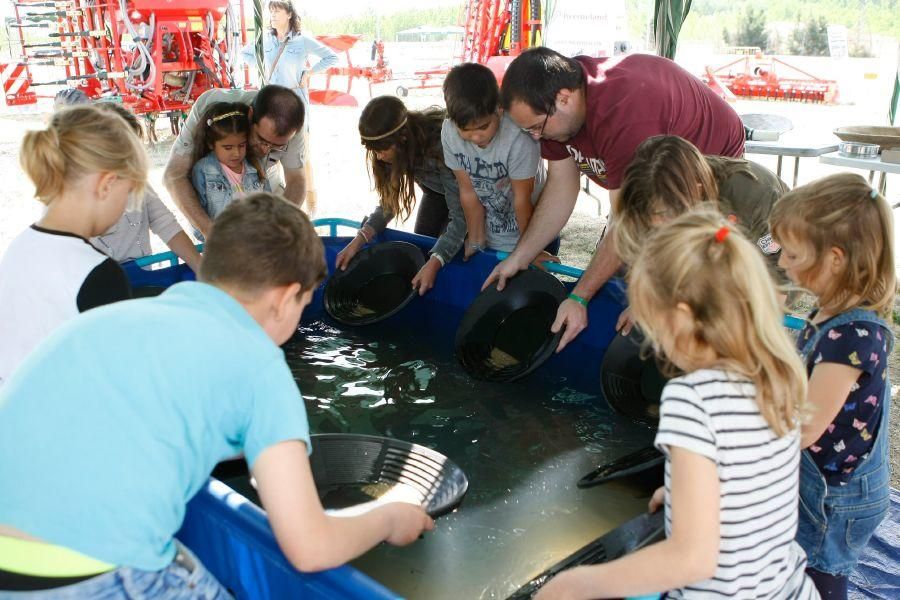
{"x":523,"y":446}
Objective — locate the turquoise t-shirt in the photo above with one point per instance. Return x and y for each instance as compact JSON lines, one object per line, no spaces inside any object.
{"x":117,"y":420}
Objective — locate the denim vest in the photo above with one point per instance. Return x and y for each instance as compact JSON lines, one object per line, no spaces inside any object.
{"x":836,"y":522}
{"x":213,"y":188}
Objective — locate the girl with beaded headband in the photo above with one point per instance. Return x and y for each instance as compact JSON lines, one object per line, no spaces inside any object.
{"x":223,"y":171}
{"x":837,"y":238}
{"x":403,"y":149}
{"x":728,"y":426}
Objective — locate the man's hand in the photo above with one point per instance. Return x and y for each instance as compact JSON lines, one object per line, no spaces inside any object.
{"x":505,"y":270}
{"x":625,"y":322}
{"x":424,"y":279}
{"x":573,"y":316}
{"x":346,"y":255}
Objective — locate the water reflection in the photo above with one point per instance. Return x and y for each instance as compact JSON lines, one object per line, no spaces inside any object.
{"x":523,"y":446}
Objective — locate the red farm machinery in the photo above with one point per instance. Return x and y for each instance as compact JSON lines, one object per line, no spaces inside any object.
{"x":152,"y":55}
{"x":757,"y":77}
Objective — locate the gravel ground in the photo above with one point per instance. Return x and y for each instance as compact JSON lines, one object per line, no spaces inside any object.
{"x":343,"y":190}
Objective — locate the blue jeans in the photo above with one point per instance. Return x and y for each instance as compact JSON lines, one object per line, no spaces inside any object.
{"x":185,"y":578}
{"x":836,"y":522}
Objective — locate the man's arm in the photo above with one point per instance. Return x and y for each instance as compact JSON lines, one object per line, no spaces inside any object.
{"x":176,"y":178}
{"x":604,"y":263}
{"x":572,"y":314}
{"x":553,"y":210}
{"x":295,"y":186}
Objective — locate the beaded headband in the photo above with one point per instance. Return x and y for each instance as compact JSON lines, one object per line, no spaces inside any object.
{"x":372,"y":138}
{"x":233,"y":113}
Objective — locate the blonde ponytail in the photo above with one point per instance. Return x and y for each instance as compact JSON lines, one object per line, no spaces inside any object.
{"x":79,"y":141}
{"x":700,"y":261}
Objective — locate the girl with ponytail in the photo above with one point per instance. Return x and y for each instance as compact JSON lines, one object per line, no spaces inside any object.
{"x":84,"y":166}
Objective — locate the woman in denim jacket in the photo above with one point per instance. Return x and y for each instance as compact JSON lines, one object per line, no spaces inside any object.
{"x":225,"y":172}
{"x":837,"y":241}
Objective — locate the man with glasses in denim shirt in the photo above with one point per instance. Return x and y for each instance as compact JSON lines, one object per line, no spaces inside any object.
{"x":590,"y":114}
{"x":276,"y":116}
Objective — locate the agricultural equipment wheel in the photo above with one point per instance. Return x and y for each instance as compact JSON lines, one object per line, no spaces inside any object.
{"x":402,"y":91}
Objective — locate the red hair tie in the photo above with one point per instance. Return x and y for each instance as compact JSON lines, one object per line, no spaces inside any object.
{"x":722,"y":233}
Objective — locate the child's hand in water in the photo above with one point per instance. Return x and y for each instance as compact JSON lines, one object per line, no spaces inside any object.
{"x":658,"y":500}
{"x":407,"y":522}
{"x":424,"y":279}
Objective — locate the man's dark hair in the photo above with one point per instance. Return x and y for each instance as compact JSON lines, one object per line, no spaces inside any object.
{"x":281,"y":105}
{"x":470,"y":92}
{"x":262,"y":241}
{"x":536,"y":76}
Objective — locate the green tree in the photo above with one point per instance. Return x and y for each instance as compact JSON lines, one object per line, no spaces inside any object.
{"x":810,"y":39}
{"x":751,"y":30}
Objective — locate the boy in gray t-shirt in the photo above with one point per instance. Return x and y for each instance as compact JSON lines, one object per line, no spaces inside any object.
{"x":498,"y":167}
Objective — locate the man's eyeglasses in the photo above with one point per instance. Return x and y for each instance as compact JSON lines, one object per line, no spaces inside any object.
{"x":534,"y":131}
{"x":268,"y":145}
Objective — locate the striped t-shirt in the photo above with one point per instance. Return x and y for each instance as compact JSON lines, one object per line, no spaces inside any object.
{"x":714,"y":413}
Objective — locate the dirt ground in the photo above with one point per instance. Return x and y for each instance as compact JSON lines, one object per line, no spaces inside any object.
{"x":344,"y":190}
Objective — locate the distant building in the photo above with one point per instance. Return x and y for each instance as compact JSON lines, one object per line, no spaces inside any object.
{"x":427,"y":33}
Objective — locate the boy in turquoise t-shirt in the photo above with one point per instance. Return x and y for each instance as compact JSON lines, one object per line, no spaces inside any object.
{"x":116,"y":421}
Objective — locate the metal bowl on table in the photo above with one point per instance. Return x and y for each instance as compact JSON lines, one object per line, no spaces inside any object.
{"x":858,"y":150}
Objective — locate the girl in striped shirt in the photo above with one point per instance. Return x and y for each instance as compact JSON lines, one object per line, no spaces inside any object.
{"x":728,"y":426}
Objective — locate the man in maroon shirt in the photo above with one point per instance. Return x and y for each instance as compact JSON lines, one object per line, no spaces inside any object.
{"x":590,"y":114}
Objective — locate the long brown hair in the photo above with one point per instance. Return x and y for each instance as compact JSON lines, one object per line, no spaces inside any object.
{"x":415,"y":136}
{"x":723,"y":280}
{"x":843,"y":211}
{"x":667,"y":177}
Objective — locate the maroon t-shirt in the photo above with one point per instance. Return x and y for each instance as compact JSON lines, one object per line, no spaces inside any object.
{"x":633,"y":97}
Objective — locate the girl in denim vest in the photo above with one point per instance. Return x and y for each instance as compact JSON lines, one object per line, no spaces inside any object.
{"x":837,"y":237}
{"x":222,"y":170}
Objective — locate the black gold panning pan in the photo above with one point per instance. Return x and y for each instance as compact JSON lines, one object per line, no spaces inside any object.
{"x":506,"y":335}
{"x":632,"y":385}
{"x":351,"y":469}
{"x":625,"y":539}
{"x":376,"y":285}
{"x":352,"y":472}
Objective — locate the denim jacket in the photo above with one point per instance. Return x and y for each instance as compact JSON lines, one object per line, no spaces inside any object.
{"x":213,"y":187}
{"x":836,"y":522}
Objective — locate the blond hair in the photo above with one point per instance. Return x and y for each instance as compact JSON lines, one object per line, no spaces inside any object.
{"x":842,"y":211}
{"x":79,"y":141}
{"x":732,"y":301}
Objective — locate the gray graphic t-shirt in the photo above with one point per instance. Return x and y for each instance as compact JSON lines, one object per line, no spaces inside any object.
{"x":512,"y":154}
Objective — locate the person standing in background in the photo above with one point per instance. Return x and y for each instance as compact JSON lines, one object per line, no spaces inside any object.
{"x":287,"y":53}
